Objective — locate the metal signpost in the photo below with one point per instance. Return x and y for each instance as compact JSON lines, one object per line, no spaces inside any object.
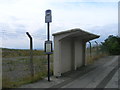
{"x":48,"y":43}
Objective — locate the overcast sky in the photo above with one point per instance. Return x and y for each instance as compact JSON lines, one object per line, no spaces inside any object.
{"x":20,"y":16}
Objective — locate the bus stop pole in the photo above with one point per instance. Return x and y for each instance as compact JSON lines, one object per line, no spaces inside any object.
{"x":48,"y":54}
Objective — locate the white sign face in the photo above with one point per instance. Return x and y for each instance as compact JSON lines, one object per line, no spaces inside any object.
{"x":48,"y":47}
{"x":48,"y":17}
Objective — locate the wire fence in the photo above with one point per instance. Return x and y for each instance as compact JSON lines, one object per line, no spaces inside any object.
{"x":17,"y":69}
{"x":16,"y":62}
{"x":94,"y":52}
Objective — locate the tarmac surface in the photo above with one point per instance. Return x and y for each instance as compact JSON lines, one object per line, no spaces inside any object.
{"x":103,"y":73}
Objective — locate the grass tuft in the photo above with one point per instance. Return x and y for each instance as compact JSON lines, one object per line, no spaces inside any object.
{"x":7,"y":83}
{"x":91,"y":59}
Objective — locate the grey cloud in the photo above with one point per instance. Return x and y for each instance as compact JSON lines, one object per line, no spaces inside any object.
{"x":14,"y":18}
{"x":6,"y":31}
{"x":105,"y":31}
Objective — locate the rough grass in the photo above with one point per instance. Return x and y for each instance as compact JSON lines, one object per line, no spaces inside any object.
{"x":19,"y":52}
{"x":19,"y":64}
{"x":39,"y":63}
{"x":7,"y":83}
{"x":91,"y":59}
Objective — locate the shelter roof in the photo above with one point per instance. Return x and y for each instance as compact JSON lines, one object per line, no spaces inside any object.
{"x":73,"y":33}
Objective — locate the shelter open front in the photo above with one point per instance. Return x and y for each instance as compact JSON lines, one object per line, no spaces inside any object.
{"x":69,"y":50}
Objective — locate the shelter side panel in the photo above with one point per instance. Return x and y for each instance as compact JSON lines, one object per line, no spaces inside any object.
{"x":66,"y":55}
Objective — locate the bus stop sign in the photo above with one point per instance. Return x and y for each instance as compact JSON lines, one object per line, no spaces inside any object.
{"x":48,"y":16}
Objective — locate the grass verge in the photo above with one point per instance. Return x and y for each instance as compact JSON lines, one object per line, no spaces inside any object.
{"x":7,"y":83}
{"x":91,"y":59}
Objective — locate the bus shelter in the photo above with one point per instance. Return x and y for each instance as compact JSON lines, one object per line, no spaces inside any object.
{"x":69,"y":50}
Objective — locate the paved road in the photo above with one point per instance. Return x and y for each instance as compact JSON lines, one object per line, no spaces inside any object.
{"x":105,"y":75}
